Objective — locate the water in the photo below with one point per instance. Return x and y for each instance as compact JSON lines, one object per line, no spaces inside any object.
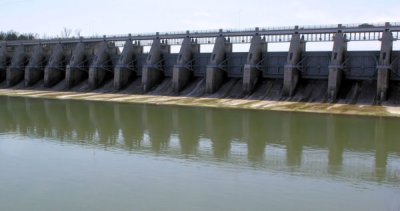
{"x":74,"y":155}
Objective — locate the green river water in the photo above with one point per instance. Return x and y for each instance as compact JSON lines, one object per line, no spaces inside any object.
{"x":80,"y":155}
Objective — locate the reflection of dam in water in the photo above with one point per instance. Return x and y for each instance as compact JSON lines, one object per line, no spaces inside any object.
{"x":322,"y":145}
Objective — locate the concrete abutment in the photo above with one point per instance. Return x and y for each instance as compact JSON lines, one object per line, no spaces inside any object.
{"x":384,"y":65}
{"x":15,"y":72}
{"x":183,"y":70}
{"x":291,"y":75}
{"x":216,"y":68}
{"x":102,"y":66}
{"x":252,"y":69}
{"x":54,"y":72}
{"x":336,"y":65}
{"x":126,"y":67}
{"x":152,"y":73}
{"x":34,"y":72}
{"x":77,"y":69}
{"x":4,"y":61}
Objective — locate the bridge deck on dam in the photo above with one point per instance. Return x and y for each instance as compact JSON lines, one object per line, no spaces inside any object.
{"x":103,"y":65}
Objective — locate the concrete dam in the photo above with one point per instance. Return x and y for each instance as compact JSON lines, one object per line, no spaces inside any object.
{"x":118,"y":64}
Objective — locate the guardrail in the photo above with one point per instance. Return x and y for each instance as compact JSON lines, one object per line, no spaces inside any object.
{"x":356,"y":32}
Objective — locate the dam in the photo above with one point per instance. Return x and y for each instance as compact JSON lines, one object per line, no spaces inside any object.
{"x":119,"y":64}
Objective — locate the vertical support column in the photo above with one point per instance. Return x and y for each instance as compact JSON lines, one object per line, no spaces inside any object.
{"x":4,"y":61}
{"x":124,"y":71}
{"x":291,"y":70}
{"x":75,"y":71}
{"x":336,"y":65}
{"x":384,"y":64}
{"x":35,"y":69}
{"x":182,"y":72}
{"x":54,"y":72}
{"x":216,"y":73}
{"x":15,"y":72}
{"x":153,"y":69}
{"x":251,"y":70}
{"x":101,"y":66}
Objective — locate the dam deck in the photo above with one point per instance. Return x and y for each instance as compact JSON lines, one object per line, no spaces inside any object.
{"x":118,"y":64}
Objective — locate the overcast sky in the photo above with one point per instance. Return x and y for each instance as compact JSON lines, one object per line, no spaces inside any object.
{"x":124,"y":16}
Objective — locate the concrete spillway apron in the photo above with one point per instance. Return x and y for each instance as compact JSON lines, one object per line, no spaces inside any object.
{"x":212,"y":102}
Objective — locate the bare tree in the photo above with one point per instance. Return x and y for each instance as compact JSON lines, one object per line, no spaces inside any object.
{"x":65,"y":33}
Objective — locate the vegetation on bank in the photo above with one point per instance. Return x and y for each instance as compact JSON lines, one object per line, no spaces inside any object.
{"x":12,"y":35}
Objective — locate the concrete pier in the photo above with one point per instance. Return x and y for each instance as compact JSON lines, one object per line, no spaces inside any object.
{"x":54,"y":72}
{"x":76,"y":70}
{"x":183,"y":70}
{"x":252,"y":70}
{"x":34,"y":72}
{"x":102,"y":65}
{"x":15,"y":72}
{"x":4,"y":61}
{"x":153,"y":69}
{"x":126,"y":67}
{"x":336,"y":65}
{"x":216,"y":67}
{"x":384,"y":65}
{"x":291,"y":70}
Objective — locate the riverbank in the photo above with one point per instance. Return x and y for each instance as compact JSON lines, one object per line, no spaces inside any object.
{"x":344,"y":109}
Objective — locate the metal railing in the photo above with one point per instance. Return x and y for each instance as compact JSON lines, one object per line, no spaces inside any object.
{"x":355,"y":32}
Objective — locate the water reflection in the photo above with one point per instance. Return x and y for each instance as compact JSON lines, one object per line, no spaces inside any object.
{"x":318,"y":145}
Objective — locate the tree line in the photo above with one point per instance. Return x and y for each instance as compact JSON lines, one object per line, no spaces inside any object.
{"x":12,"y":35}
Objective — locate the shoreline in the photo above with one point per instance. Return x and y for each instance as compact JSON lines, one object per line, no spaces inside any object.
{"x":321,"y":108}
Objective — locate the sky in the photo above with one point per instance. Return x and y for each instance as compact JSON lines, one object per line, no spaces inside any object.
{"x":111,"y":17}
{"x":123,"y":16}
